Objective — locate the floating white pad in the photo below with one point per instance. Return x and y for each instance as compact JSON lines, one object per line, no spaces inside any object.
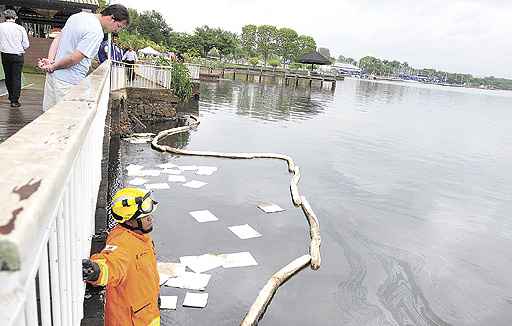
{"x":203,"y":263}
{"x":189,"y":280}
{"x":168,"y":302}
{"x":134,"y":167}
{"x":188,"y":168}
{"x":151,"y":186}
{"x":203,"y":216}
{"x":239,"y":259}
{"x":171,"y":171}
{"x":206,"y":170}
{"x":195,"y":184}
{"x":144,"y":173}
{"x":177,"y":178}
{"x":244,"y":231}
{"x":170,"y":269}
{"x":167,"y":165}
{"x":137,"y":181}
{"x":270,"y":207}
{"x":197,"y":300}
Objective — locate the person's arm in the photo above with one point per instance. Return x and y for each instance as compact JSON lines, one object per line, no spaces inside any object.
{"x":68,"y":61}
{"x":52,"y":52}
{"x":24,"y":39}
{"x":107,"y":267}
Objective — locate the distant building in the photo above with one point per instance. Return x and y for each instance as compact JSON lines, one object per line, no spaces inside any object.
{"x":347,"y":69}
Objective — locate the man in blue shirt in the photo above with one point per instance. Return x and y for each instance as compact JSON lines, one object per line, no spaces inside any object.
{"x":116,"y":53}
{"x":71,"y":53}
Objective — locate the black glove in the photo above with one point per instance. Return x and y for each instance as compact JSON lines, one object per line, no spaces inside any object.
{"x":90,"y":270}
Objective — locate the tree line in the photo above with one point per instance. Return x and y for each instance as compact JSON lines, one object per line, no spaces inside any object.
{"x":268,"y":43}
{"x":271,"y":45}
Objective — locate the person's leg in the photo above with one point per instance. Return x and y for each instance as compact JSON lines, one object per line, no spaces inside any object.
{"x":49,"y":97}
{"x":17,"y":67}
{"x":54,"y":91}
{"x":6,"y":63}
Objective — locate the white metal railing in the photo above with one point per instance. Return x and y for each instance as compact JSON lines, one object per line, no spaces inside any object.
{"x":140,"y":75}
{"x":49,"y":179}
{"x":194,"y":70}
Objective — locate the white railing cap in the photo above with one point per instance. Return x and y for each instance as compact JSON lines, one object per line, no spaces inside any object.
{"x":34,"y":168}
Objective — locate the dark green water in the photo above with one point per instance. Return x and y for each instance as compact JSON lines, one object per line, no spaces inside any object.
{"x":411,"y":184}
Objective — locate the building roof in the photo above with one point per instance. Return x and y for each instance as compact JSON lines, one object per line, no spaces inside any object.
{"x":314,"y":58}
{"x":53,"y":4}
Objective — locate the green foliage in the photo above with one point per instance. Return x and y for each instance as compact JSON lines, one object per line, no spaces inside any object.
{"x":254,"y":61}
{"x":266,"y":41}
{"x":214,"y":53}
{"x":191,"y":55}
{"x":181,"y":82}
{"x":286,"y":44}
{"x":296,"y":66}
{"x":129,"y":40}
{"x":305,"y":44}
{"x":102,"y":4}
{"x":248,"y":40}
{"x":274,"y":62}
{"x":152,"y":25}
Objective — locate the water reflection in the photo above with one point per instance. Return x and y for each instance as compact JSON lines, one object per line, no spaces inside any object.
{"x":265,"y":101}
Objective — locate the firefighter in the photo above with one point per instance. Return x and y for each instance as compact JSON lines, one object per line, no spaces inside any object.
{"x":127,"y":264}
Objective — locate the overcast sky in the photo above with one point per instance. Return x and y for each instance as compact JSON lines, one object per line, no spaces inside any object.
{"x":472,"y":36}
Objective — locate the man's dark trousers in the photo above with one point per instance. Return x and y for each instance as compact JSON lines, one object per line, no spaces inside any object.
{"x":13,"y":64}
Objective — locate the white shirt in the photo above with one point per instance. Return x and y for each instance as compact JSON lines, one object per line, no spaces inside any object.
{"x":82,"y":32}
{"x":130,"y":56}
{"x":13,"y":38}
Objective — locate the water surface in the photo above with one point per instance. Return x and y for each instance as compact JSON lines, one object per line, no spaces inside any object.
{"x":411,"y":185}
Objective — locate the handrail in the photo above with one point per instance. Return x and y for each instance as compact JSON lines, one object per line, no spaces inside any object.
{"x":49,"y":178}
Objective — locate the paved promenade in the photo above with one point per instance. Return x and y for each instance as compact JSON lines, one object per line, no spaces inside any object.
{"x":13,"y":119}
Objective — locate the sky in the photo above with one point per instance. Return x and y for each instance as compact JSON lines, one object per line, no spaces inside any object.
{"x":465,"y":36}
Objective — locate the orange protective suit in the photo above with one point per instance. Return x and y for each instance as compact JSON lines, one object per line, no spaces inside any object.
{"x":128,"y":270}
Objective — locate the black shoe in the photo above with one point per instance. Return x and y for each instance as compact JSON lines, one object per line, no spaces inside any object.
{"x":15,"y":104}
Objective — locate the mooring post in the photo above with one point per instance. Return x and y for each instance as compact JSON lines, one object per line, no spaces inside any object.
{"x":296,"y":81}
{"x":333,"y":85}
{"x":234,"y":73}
{"x":310,"y":82}
{"x":322,"y":83}
{"x":223,"y":72}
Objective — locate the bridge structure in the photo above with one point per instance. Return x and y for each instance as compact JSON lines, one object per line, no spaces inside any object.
{"x":50,"y":174}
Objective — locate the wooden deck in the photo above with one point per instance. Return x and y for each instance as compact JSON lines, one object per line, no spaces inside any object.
{"x":13,"y":119}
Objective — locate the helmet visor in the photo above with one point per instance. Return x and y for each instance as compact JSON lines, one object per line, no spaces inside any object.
{"x":147,"y":205}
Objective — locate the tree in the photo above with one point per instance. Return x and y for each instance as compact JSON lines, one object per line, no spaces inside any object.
{"x":248,"y":40}
{"x":286,"y":44}
{"x":325,"y":52}
{"x":152,"y":25}
{"x":205,"y":38}
{"x":134,"y":20}
{"x":253,"y":61}
{"x":305,"y":44}
{"x":274,"y":62}
{"x":183,"y":42}
{"x":266,"y":41}
{"x":226,"y":42}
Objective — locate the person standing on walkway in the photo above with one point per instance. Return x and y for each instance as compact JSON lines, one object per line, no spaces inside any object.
{"x":130,"y":58}
{"x":13,"y":43}
{"x":127,"y":265}
{"x":72,"y":51}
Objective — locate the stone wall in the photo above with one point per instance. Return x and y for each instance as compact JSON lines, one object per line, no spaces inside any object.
{"x":141,"y":107}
